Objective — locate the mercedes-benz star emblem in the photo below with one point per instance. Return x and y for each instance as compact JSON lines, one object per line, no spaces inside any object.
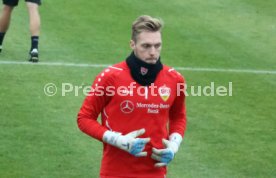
{"x":127,"y":106}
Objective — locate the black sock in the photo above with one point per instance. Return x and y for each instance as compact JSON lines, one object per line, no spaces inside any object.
{"x":2,"y":35}
{"x":34,"y":42}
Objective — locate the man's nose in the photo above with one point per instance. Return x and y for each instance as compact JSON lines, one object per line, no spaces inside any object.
{"x":152,"y":51}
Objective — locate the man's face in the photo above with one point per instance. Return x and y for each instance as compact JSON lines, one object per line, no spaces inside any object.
{"x":147,"y":46}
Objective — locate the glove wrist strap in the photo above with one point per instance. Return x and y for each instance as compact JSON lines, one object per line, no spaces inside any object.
{"x":111,"y":137}
{"x":175,"y":139}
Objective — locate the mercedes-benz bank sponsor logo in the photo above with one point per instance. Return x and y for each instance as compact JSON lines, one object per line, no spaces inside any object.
{"x":127,"y":106}
{"x":152,"y":108}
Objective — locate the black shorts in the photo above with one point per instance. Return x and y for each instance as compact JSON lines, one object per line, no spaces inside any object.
{"x":15,"y":2}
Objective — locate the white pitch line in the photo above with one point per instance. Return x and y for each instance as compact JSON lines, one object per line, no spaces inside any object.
{"x":227,"y":70}
{"x":54,"y":64}
{"x":273,"y":72}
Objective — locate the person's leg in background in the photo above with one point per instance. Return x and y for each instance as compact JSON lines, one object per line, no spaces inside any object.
{"x":5,"y":18}
{"x":34,"y":17}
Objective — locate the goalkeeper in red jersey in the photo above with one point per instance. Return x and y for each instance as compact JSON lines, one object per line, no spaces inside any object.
{"x":142,"y":107}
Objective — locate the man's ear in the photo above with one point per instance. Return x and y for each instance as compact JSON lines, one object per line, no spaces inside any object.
{"x":132,"y":44}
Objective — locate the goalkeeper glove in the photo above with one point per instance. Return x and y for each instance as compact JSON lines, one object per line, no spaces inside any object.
{"x":165,"y":156}
{"x":128,"y":142}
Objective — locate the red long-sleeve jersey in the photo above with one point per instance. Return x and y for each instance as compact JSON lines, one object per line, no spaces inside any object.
{"x":126,"y":106}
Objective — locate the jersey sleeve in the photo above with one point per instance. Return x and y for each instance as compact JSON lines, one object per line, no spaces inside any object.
{"x":93,"y":105}
{"x":177,"y":122}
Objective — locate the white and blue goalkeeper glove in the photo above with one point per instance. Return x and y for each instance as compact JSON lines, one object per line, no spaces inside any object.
{"x":128,"y":142}
{"x":166,"y":155}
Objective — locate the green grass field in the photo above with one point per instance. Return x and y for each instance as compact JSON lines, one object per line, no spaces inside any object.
{"x":227,"y":137}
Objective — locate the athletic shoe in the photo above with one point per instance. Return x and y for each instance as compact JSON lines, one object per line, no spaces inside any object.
{"x":34,"y":55}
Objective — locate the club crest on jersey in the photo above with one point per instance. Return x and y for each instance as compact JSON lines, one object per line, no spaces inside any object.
{"x":164,"y":92}
{"x":143,"y":70}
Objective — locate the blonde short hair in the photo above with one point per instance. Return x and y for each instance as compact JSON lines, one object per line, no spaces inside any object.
{"x":145,"y":23}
